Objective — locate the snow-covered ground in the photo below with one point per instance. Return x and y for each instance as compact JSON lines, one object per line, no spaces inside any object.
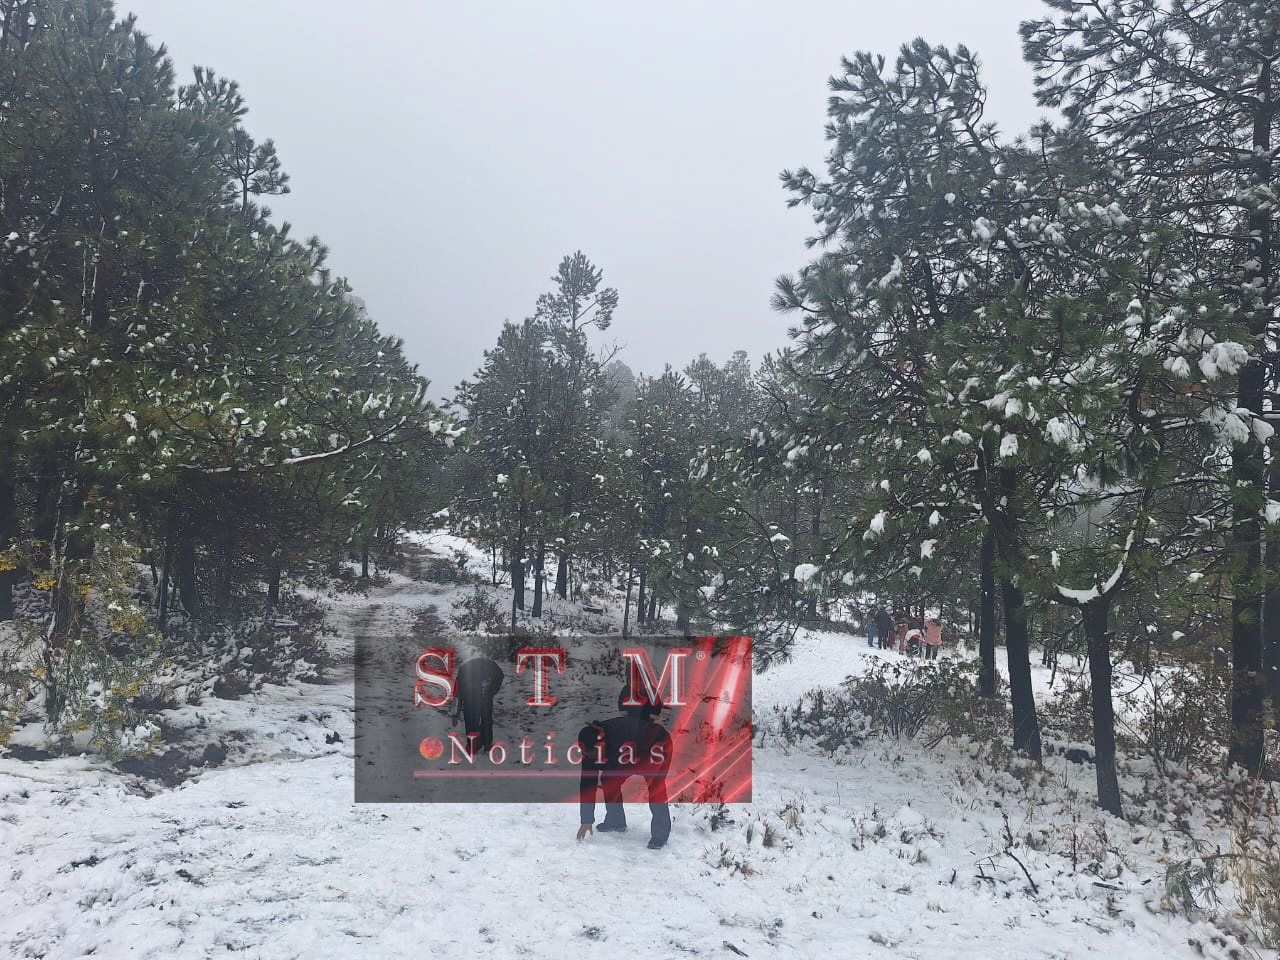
{"x":887,"y":850}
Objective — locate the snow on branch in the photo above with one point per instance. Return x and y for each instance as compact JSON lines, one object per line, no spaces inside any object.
{"x":1079,"y":598}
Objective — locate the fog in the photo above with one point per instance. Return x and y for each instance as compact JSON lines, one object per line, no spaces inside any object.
{"x":450,"y":154}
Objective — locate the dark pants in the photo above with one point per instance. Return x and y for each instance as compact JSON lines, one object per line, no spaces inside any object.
{"x":477,"y":715}
{"x":615,"y":816}
{"x":930,"y":651}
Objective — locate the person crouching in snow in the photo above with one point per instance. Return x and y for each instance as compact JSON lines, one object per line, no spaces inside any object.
{"x":630,"y":744}
{"x":901,"y":625}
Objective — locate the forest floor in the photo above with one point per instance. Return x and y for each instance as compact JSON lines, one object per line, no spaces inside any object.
{"x":887,"y":849}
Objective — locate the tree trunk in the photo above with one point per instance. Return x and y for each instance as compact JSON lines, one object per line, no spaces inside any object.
{"x":517,"y":577}
{"x":188,"y":595}
{"x":162,"y":591}
{"x":68,"y":600}
{"x":1026,"y":725}
{"x":10,"y":533}
{"x":537,"y":580}
{"x":1271,"y":602}
{"x":1248,"y":688}
{"x":562,"y":575}
{"x":225,"y":575}
{"x":7,"y":27}
{"x":653,"y":607}
{"x":640,"y":600}
{"x":1248,"y":692}
{"x":987,"y":608}
{"x":273,"y":583}
{"x":626,"y":606}
{"x":1095,"y":616}
{"x":815,"y":548}
{"x":45,"y":522}
{"x":364,"y":560}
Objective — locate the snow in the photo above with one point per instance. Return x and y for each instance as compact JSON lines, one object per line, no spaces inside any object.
{"x":877,"y":523}
{"x":1097,"y":590}
{"x":1223,"y":359}
{"x":1062,"y":432}
{"x":805,"y":572}
{"x":894,"y":272}
{"x":984,"y":230}
{"x":887,"y":849}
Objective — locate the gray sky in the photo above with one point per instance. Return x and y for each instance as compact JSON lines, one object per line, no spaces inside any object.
{"x":449,"y":154}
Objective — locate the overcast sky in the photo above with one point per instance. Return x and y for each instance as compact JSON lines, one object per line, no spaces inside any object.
{"x":449,"y":154}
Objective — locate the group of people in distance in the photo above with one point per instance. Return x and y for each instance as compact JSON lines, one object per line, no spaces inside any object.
{"x":905,"y":633}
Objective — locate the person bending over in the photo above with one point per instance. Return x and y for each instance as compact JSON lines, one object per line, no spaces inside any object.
{"x":478,"y":682}
{"x":628,"y":745}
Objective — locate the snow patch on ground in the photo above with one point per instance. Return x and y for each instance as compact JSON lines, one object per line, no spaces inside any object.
{"x":885,"y":850}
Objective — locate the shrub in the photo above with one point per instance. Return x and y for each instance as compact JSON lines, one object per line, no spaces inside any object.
{"x":1187,"y":718}
{"x":826,"y":717}
{"x":1069,"y":712}
{"x":1205,"y":885}
{"x":260,"y":644}
{"x":444,"y":570}
{"x":479,"y":613}
{"x":931,"y":701}
{"x":1256,"y":864}
{"x":94,"y":681}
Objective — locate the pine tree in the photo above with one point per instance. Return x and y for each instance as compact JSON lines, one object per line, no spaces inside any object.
{"x":1184,"y":97}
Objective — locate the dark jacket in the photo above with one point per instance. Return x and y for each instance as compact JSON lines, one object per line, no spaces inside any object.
{"x":884,"y":623}
{"x":649,"y":757}
{"x":479,"y":679}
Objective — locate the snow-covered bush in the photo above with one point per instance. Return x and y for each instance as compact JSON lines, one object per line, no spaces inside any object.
{"x":443,"y":570}
{"x":825,"y":717}
{"x":931,"y":701}
{"x":1186,"y":719}
{"x":1068,"y":712}
{"x":478,"y":613}
{"x":93,"y":677}
{"x":1255,"y":866}
{"x":234,"y":655}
